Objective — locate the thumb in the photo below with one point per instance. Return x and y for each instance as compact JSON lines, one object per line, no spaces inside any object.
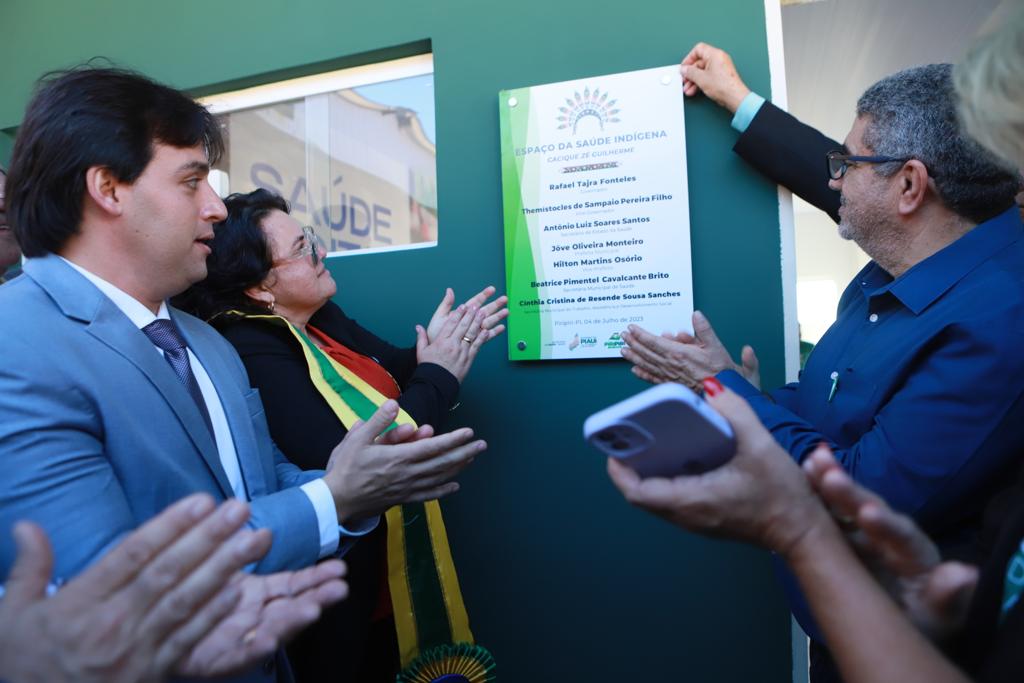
{"x":446,"y":302}
{"x":732,"y":407}
{"x":695,"y":74}
{"x":749,"y":359}
{"x":950,"y":588}
{"x":751,"y":366}
{"x":702,"y":329}
{"x":378,"y":422}
{"x":32,"y":567}
{"x":421,"y":340}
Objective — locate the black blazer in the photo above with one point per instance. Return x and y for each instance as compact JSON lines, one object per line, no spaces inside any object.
{"x":792,"y":154}
{"x":343,"y":644}
{"x":301,"y":423}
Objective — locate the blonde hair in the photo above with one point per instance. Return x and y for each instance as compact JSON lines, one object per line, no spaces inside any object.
{"x":989,"y":84}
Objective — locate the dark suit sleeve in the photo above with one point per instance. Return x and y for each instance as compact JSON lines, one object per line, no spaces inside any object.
{"x":428,"y":390}
{"x":791,"y":154}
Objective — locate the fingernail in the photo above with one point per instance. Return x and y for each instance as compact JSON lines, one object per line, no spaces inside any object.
{"x":712,"y":386}
{"x":699,"y":315}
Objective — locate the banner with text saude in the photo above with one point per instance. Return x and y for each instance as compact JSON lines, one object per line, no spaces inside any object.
{"x":597,"y":226}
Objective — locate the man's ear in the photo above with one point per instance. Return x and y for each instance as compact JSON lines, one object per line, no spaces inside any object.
{"x":913,"y":185}
{"x":103,"y":187}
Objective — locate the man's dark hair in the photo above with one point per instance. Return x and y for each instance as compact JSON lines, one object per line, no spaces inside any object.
{"x":86,"y":117}
{"x":240,"y":258}
{"x":913,"y":114}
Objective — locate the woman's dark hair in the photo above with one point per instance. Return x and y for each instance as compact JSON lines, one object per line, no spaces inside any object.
{"x":240,"y":258}
{"x":87,"y":117}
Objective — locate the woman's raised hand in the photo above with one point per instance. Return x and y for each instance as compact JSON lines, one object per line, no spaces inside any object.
{"x":494,"y":312}
{"x":457,"y":342}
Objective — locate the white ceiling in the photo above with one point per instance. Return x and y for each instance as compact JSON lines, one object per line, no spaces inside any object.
{"x":835,"y":49}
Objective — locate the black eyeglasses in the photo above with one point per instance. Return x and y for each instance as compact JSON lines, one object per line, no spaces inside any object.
{"x":838,"y":162}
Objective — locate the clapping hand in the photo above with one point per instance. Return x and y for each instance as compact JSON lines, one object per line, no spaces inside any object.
{"x":168,"y":598}
{"x":272,"y":609}
{"x":370,"y":470}
{"x":760,"y":496}
{"x":934,"y":594}
{"x":685,"y":358}
{"x":494,"y":312}
{"x":454,"y":337}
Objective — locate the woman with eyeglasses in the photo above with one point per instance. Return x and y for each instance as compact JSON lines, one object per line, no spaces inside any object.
{"x":268,"y":291}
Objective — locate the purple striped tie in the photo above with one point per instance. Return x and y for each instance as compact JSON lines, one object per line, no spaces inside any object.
{"x":164,"y":334}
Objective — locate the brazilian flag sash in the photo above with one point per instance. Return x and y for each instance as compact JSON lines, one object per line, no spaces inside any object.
{"x":434,"y":640}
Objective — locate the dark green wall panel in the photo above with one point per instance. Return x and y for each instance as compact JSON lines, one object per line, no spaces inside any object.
{"x":563,"y":580}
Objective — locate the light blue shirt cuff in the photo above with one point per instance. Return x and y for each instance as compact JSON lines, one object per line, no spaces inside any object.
{"x":332,"y":534}
{"x":746,"y":112}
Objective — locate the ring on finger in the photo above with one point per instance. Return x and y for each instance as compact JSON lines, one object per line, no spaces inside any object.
{"x":467,"y":339}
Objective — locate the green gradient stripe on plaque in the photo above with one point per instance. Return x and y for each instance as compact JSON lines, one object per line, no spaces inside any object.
{"x":521,"y":266}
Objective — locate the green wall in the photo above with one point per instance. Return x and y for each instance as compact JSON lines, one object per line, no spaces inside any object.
{"x":563,"y":580}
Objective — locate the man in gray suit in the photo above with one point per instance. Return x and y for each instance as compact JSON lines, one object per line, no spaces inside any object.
{"x":114,"y":405}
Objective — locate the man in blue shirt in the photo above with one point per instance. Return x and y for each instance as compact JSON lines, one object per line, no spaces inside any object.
{"x":918,"y":385}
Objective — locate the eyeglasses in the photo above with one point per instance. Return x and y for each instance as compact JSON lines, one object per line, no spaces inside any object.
{"x":839,"y":162}
{"x":312,"y":246}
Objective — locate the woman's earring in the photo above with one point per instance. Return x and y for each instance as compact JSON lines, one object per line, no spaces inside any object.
{"x":271,"y":307}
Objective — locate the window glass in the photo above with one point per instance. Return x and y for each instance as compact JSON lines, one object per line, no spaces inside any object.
{"x":352,"y":151}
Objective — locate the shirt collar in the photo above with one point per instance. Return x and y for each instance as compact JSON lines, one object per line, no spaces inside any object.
{"x":920,"y":286}
{"x":131,"y":307}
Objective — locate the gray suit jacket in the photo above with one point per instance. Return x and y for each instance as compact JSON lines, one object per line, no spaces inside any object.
{"x":97,"y":435}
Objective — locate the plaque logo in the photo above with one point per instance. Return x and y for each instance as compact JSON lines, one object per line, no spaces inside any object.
{"x":591,"y":103}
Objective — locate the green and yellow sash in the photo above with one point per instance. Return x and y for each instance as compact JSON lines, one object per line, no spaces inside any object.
{"x":434,"y":640}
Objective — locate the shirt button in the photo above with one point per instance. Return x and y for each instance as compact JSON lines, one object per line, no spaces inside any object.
{"x":873,"y":317}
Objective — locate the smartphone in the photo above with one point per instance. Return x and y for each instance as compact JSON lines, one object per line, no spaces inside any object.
{"x":665,"y":431}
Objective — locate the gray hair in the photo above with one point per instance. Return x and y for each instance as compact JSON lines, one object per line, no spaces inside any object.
{"x":990,"y":86}
{"x":912,"y":113}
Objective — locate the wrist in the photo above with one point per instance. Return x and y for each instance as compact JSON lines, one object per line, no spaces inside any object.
{"x":735,"y":97}
{"x":810,"y":529}
{"x":343,"y":507}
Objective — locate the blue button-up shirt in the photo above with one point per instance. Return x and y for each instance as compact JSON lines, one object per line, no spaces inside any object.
{"x":918,"y":384}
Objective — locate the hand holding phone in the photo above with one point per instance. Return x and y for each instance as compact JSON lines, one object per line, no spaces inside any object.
{"x":665,"y":431}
